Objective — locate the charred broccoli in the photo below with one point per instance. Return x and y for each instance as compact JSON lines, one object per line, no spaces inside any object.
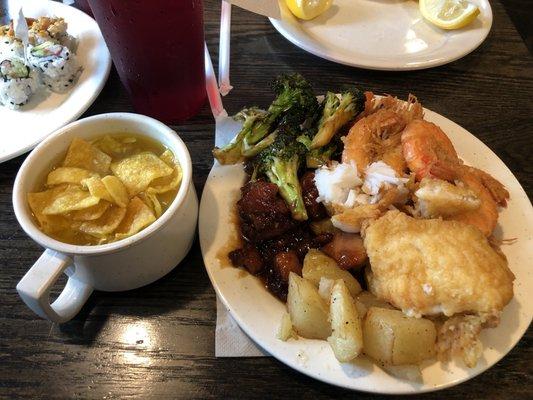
{"x":315,"y":158}
{"x":294,"y":103}
{"x":280,"y":163}
{"x":232,"y":153}
{"x":337,"y":113}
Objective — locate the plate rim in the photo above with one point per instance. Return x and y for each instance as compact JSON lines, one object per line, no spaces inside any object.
{"x":88,"y":101}
{"x":292,"y":363}
{"x":280,"y":27}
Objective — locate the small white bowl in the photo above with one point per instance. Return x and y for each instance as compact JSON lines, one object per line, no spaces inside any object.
{"x":123,"y":265}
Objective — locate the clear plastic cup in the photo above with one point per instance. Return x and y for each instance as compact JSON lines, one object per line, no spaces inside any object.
{"x":157,"y":47}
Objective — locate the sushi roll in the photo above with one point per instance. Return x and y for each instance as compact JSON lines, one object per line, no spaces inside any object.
{"x":18,"y":83}
{"x":50,"y":63}
{"x":57,"y":64}
{"x":46,"y":29}
{"x":11,"y":48}
{"x":9,"y":45}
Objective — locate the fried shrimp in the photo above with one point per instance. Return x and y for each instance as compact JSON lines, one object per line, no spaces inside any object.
{"x":468,"y":200}
{"x":485,"y":217}
{"x":376,"y":136}
{"x":428,"y":151}
{"x":409,"y":110}
{"x":496,"y":189}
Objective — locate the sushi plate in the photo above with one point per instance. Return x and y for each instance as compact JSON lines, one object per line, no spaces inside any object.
{"x":383,"y":35}
{"x":23,"y":129}
{"x":259,"y":313}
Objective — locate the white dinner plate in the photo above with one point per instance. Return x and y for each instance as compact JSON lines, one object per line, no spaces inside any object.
{"x":259,"y":313}
{"x":383,"y":34}
{"x":23,"y":129}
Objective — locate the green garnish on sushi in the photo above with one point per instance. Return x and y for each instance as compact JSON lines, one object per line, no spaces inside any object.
{"x":47,"y":48}
{"x":14,"y":69}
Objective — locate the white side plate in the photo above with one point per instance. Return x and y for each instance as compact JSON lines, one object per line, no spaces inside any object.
{"x":383,"y":34}
{"x":259,"y":313}
{"x":23,"y":129}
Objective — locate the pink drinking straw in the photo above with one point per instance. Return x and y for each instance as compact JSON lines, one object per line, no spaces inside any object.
{"x":224,"y":49}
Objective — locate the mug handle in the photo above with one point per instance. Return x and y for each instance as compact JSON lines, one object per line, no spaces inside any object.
{"x":34,"y":288}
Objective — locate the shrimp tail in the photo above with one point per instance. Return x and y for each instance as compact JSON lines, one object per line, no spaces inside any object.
{"x":438,"y":169}
{"x":495,"y":187}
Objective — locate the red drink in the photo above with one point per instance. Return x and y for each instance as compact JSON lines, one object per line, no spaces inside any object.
{"x":83,"y":6}
{"x":157,"y":47}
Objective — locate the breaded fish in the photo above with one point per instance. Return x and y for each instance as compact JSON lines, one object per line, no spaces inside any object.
{"x":428,"y":267}
{"x":439,"y":198}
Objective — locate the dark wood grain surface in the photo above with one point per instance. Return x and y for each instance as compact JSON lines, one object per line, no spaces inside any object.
{"x":521,"y":12}
{"x":158,"y":341}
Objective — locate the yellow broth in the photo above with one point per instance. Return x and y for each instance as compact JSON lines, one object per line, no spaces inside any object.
{"x":68,"y":228}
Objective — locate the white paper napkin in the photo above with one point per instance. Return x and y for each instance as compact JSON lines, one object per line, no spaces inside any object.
{"x":269,"y":8}
{"x":230,"y":340}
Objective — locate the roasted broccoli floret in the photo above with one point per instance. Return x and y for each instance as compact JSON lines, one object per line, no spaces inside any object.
{"x":280,"y":163}
{"x":249,"y":118}
{"x":337,"y":113}
{"x":294,"y":103}
{"x":315,"y":158}
{"x":232,"y":153}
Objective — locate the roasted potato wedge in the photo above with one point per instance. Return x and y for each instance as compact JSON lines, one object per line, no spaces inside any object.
{"x":346,"y":338}
{"x":308,"y":311}
{"x":391,"y":337}
{"x":318,"y":265}
{"x":285,"y":331}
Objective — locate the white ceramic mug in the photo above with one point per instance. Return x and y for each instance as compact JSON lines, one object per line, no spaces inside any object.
{"x":123,"y":265}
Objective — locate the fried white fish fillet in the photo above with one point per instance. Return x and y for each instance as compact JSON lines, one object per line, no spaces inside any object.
{"x":428,"y":267}
{"x":436,"y":198}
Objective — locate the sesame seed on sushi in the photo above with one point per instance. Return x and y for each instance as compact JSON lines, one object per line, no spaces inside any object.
{"x":18,"y":83}
{"x":58,"y":65}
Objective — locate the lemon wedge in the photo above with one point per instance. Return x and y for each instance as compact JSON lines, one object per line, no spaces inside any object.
{"x":308,"y":9}
{"x":448,"y":14}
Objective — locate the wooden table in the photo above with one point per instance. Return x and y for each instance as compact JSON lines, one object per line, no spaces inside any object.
{"x":158,"y":341}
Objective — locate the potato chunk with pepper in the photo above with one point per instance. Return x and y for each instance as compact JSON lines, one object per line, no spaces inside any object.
{"x":391,"y":337}
{"x":346,"y":338}
{"x":308,"y":311}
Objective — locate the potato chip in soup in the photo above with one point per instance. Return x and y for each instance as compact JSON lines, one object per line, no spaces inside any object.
{"x":72,"y":175}
{"x":139,"y":170}
{"x":106,"y":189}
{"x":83,"y":154}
